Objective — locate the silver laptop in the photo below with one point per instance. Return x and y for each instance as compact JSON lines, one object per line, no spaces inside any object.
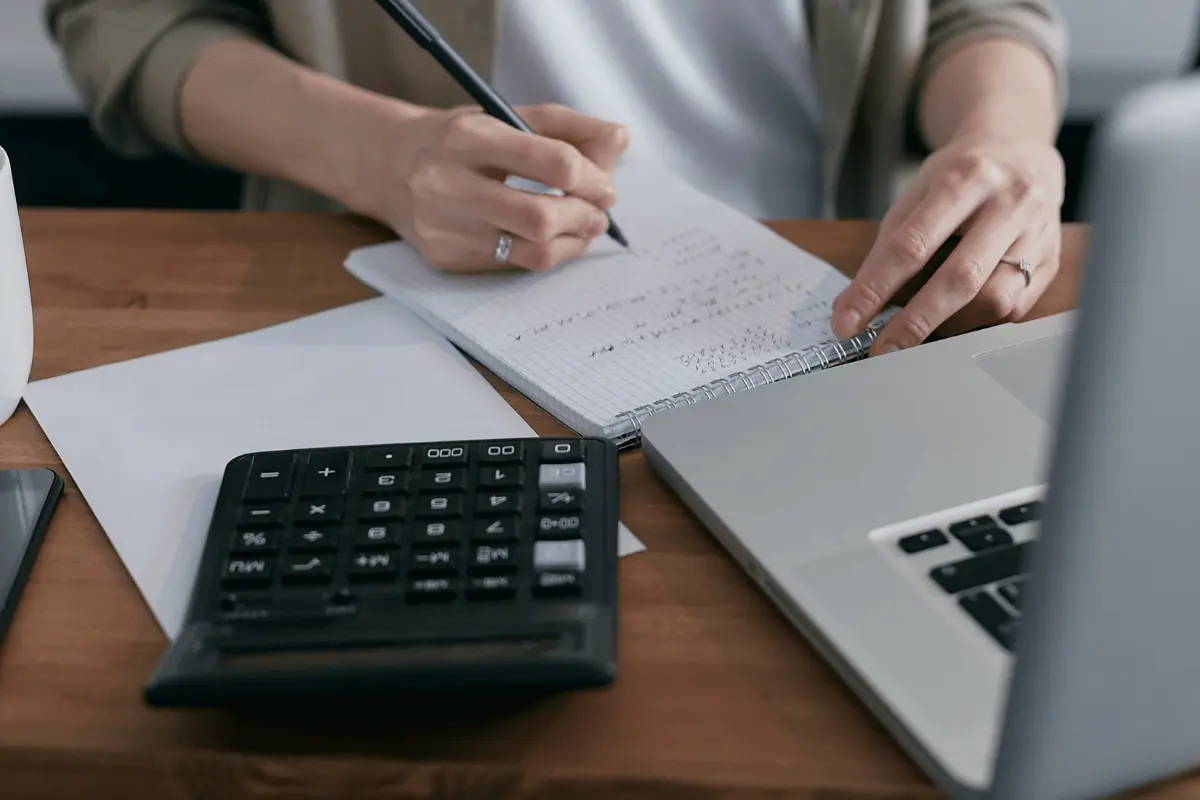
{"x":995,"y":538}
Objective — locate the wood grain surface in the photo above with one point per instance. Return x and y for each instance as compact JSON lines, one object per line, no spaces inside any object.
{"x":717,"y":697}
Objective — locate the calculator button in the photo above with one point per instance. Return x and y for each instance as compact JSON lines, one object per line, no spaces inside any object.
{"x":311,"y":539}
{"x":501,"y":452}
{"x":307,"y":569}
{"x":496,"y":529}
{"x":326,"y":473}
{"x":254,"y":542}
{"x":561,"y":476}
{"x":562,"y":500}
{"x":372,"y":566}
{"x":559,"y":556}
{"x":500,"y":477}
{"x":444,"y":531}
{"x":439,"y":505}
{"x":443,"y":480}
{"x":265,"y":515}
{"x":559,"y":526}
{"x":385,"y":482}
{"x":432,"y":590}
{"x":562,"y":451}
{"x":492,"y":587}
{"x":443,"y":455}
{"x":389,"y":458}
{"x":380,"y":510}
{"x":428,"y":560}
{"x":498,"y":502}
{"x":492,"y":557}
{"x":377,"y":535}
{"x":248,"y":572}
{"x":319,"y":512}
{"x":270,"y":476}
{"x":557,"y":584}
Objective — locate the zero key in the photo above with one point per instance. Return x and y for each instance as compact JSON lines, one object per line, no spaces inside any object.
{"x":560,"y":451}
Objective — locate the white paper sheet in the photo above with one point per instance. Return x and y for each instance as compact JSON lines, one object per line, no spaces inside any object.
{"x":147,"y":440}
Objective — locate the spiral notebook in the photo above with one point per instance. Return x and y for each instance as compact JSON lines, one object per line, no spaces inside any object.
{"x":707,"y":303}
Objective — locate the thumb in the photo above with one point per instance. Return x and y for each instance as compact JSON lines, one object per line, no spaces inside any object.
{"x":600,"y":141}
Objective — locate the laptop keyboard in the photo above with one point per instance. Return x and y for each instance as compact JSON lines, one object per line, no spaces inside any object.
{"x":986,"y":581}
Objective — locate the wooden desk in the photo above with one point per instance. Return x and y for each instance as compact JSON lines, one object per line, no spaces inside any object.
{"x":717,"y":696}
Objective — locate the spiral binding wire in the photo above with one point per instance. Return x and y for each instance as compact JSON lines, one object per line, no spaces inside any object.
{"x":819,"y":357}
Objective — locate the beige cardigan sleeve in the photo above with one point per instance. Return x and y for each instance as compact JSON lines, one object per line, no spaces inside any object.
{"x":127,"y":59}
{"x":1036,"y":23}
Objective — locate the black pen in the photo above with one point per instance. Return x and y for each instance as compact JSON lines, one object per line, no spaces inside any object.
{"x":424,"y":34}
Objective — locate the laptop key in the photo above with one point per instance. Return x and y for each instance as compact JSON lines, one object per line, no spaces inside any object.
{"x":1011,"y":592}
{"x":985,"y":539}
{"x":991,"y":616}
{"x":975,"y":524}
{"x":1026,"y":512}
{"x":917,"y":542}
{"x":988,"y":567}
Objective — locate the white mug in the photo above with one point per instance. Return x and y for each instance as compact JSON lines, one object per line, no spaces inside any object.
{"x":16,"y":308}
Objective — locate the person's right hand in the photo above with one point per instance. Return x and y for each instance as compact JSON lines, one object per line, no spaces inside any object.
{"x":438,"y":181}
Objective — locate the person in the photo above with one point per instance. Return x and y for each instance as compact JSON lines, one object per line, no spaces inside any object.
{"x":783,"y":108}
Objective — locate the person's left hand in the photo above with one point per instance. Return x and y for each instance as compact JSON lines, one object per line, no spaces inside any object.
{"x":1004,"y":197}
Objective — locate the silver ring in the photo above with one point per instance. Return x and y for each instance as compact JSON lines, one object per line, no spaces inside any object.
{"x":1023,"y":265}
{"x":503,"y":248}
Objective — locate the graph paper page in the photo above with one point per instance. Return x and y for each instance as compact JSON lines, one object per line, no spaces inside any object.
{"x":705,"y":292}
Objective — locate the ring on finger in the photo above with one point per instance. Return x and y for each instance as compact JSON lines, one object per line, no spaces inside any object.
{"x":1022,"y":264}
{"x":503,"y":249}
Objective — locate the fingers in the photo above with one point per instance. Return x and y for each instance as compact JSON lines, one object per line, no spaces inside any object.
{"x":474,"y":250}
{"x":960,"y":279}
{"x":1004,"y":297}
{"x":530,"y":216}
{"x":600,"y":141}
{"x":903,"y":248}
{"x":484,"y":143}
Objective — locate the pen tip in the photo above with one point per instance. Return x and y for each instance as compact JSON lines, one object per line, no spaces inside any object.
{"x":619,"y":237}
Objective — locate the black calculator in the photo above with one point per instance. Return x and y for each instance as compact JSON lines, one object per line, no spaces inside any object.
{"x":406,"y":567}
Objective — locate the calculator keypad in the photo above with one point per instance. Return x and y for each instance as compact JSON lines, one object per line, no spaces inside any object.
{"x":444,"y":523}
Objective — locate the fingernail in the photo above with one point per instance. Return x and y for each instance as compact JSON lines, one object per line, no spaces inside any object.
{"x":846,"y":323}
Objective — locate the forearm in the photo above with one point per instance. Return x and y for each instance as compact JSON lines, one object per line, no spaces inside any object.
{"x":992,"y":86}
{"x":247,"y":107}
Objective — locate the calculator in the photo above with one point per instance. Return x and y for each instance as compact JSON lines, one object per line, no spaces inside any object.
{"x":405,"y":567}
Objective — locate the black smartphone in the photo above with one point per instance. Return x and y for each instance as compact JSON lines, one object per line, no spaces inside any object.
{"x":27,"y":501}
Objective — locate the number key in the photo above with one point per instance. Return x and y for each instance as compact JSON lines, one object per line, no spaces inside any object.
{"x":501,"y":452}
{"x":500,"y":477}
{"x":443,"y":480}
{"x":437,"y":532}
{"x":385,"y":482}
{"x":440,"y":505}
{"x":498,"y":502}
{"x":379,"y":535}
{"x":496,"y":529}
{"x":380,"y":510}
{"x":562,"y":451}
{"x":443,"y":454}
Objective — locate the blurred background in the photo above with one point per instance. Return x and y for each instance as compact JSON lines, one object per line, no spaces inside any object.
{"x":1116,"y":46}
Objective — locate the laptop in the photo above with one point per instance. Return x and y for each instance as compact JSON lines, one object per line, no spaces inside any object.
{"x":995,"y":537}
